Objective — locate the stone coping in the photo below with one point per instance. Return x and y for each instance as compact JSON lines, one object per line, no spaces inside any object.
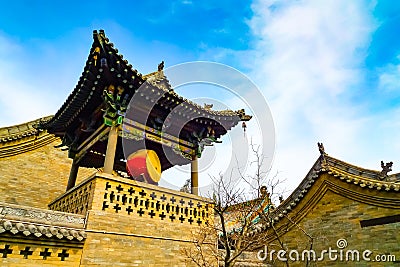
{"x":40,"y":216}
{"x":40,"y":223}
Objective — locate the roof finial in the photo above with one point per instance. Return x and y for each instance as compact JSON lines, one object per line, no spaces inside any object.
{"x":161,"y":66}
{"x":242,"y":115}
{"x":264,"y":192}
{"x":385,"y":169}
{"x":321,"y":148}
{"x":208,"y":106}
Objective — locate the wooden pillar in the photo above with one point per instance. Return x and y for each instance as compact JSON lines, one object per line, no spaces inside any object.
{"x":194,"y":176}
{"x":111,"y":148}
{"x":72,"y":175}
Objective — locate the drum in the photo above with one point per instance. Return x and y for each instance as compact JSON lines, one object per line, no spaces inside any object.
{"x":144,"y":165}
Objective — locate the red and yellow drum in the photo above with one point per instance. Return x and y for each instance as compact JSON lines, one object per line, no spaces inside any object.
{"x":144,"y":165}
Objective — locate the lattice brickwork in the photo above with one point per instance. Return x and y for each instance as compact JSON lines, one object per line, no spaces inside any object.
{"x":158,"y":205}
{"x":77,"y":201}
{"x":38,"y":255}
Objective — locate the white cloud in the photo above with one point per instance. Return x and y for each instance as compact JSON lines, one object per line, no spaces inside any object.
{"x":308,"y":62}
{"x":389,"y":78}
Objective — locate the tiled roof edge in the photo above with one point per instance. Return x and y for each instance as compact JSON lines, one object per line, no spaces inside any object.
{"x":14,"y":132}
{"x":322,"y":166}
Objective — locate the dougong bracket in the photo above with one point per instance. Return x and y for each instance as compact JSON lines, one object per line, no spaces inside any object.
{"x":116,"y":102}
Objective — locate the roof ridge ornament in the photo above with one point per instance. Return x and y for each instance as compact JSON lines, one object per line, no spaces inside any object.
{"x":208,"y":106}
{"x":321,"y":149}
{"x":242,"y":115}
{"x":385,"y":169}
{"x":161,"y":66}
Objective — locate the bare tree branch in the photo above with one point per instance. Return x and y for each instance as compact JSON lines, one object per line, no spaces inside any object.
{"x":240,"y":222}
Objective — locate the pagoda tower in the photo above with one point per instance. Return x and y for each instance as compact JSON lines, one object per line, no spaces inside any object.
{"x":133,"y":124}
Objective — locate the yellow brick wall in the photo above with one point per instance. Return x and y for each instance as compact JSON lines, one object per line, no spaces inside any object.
{"x":54,"y":251}
{"x":121,"y":250}
{"x":36,"y":177}
{"x":118,"y":237}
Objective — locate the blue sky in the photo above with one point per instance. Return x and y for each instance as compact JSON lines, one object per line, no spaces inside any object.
{"x":329,"y":70}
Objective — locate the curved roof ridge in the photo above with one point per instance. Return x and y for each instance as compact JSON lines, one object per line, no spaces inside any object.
{"x":322,"y":165}
{"x":21,"y":138}
{"x":18,"y":131}
{"x":353,"y":170}
{"x":157,"y":77}
{"x":350,"y":167}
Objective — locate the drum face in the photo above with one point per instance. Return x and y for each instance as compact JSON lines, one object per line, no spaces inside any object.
{"x":144,"y":164}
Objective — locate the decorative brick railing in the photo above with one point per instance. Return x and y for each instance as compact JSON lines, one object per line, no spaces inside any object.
{"x":138,"y":199}
{"x":78,"y":200}
{"x":128,"y":197}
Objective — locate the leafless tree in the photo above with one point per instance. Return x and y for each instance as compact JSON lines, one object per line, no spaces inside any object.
{"x":229,"y":235}
{"x":240,"y":218}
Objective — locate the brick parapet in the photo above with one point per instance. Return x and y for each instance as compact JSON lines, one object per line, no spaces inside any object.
{"x":134,"y":223}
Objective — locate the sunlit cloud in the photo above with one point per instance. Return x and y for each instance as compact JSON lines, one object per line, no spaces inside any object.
{"x":309,"y":62}
{"x":389,"y":78}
